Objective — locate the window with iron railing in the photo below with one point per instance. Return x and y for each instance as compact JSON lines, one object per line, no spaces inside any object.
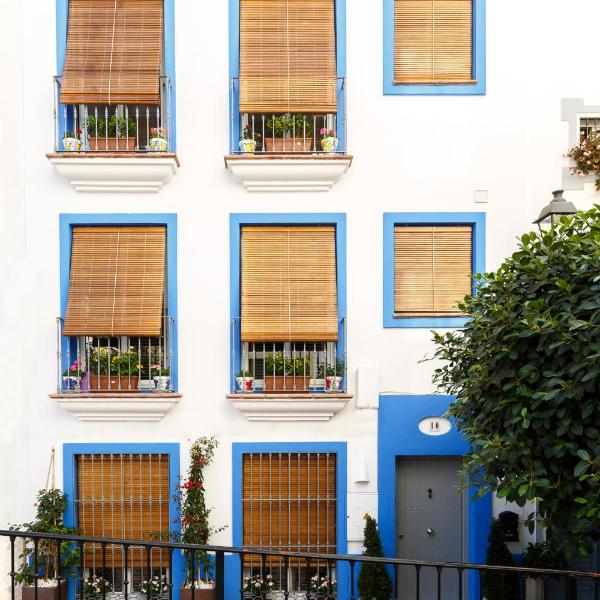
{"x":588,"y":125}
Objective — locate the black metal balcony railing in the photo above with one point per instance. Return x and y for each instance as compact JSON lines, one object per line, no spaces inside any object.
{"x":437,"y":575}
{"x":113,"y":128}
{"x":114,"y":363}
{"x":267,"y":367}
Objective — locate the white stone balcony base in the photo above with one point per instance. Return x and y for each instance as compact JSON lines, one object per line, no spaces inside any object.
{"x":289,"y":407}
{"x":105,"y":172}
{"x":117,"y":407}
{"x":277,"y":173}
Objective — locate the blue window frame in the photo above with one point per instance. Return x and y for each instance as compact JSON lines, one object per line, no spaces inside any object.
{"x":475,"y":219}
{"x":71,"y":451}
{"x":234,"y":69}
{"x":62,"y":13}
{"x":478,"y":60}
{"x":338,"y":448}
{"x":237,"y":221}
{"x":169,"y":220}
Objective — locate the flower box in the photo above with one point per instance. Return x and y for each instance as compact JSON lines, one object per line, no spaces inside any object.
{"x":199,"y":594}
{"x":288,"y":144}
{"x":111,"y":143}
{"x":289,"y":383}
{"x":124,"y":383}
{"x":44,"y":592}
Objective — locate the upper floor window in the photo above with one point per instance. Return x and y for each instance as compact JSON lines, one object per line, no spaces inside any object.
{"x":114,"y":92}
{"x":288,"y":90}
{"x":118,"y":332}
{"x":434,"y":47}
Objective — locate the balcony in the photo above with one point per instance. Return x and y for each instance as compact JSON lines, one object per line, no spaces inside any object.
{"x":114,"y":148}
{"x":288,"y":151}
{"x":291,"y":381}
{"x":115,"y":378}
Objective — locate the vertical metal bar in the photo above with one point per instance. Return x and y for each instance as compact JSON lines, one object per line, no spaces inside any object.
{"x":103,"y":571}
{"x":242,"y":557}
{"x":137,"y":127}
{"x":231,"y":143}
{"x":286,"y":588}
{"x":106,"y":127}
{"x":460,"y":583}
{"x":81,"y":569}
{"x":395,"y":583}
{"x":36,"y":542}
{"x":314,"y":140}
{"x":55,"y":114}
{"x":294,"y":359}
{"x":57,"y":571}
{"x":147,"y":126}
{"x":58,"y":355}
{"x":220,"y":574}
{"x":169,"y":114}
{"x":439,"y":582}
{"x":149,"y":572}
{"x":126,"y":570}
{"x":12,"y":568}
{"x":307,"y":579}
{"x":193,"y":569}
{"x":352,"y":580}
{"x":233,"y":355}
{"x":170,"y":550}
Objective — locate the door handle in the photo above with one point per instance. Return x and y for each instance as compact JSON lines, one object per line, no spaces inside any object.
{"x":429,"y":531}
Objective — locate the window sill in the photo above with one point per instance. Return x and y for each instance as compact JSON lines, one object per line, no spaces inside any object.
{"x":288,"y":172}
{"x":115,"y":171}
{"x":125,"y":406}
{"x":289,"y":407}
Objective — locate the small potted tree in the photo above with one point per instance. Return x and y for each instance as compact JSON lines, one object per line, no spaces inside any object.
{"x":116,"y":134}
{"x":113,"y":371}
{"x":195,"y":526}
{"x":289,"y":133}
{"x":50,"y":508}
{"x":373,"y":579}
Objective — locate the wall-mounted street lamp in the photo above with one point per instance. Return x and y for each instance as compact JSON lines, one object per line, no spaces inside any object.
{"x":551,"y":213}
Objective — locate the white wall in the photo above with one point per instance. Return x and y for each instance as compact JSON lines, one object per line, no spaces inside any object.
{"x":410,"y":153}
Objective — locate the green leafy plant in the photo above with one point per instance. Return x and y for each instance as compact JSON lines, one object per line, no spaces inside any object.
{"x":587,"y":157}
{"x":124,"y":363}
{"x":243,"y":373}
{"x":322,"y":587}
{"x":50,"y":507}
{"x":286,"y":365}
{"x":544,"y":555}
{"x":248,"y":135}
{"x":117,"y":126}
{"x":289,"y":125}
{"x":525,"y":371}
{"x":156,"y":587}
{"x":499,"y":585}
{"x":159,"y":132}
{"x":331,"y":371}
{"x":76,"y":369}
{"x":194,"y":514}
{"x":373,"y":579}
{"x":256,"y":586}
{"x":73,"y":134}
{"x":159,"y":371}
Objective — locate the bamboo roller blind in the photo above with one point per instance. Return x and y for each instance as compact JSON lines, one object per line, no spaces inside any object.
{"x":433,"y":41}
{"x":289,"y":290}
{"x":432,"y":269}
{"x":287,"y":56}
{"x":123,"y":496}
{"x":114,"y":52}
{"x":289,"y":502}
{"x":117,"y":281}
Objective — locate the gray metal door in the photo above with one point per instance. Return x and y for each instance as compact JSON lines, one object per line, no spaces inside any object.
{"x":431,"y":518}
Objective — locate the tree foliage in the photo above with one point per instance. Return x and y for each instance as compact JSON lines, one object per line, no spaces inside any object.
{"x":498,"y":585}
{"x":525,"y":371}
{"x":373,"y":580}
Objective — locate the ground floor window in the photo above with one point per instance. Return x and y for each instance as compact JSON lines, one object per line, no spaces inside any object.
{"x":289,"y":503}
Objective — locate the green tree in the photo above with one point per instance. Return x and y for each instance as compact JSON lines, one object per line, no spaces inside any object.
{"x":525,"y":371}
{"x":499,"y":586}
{"x":373,"y":580}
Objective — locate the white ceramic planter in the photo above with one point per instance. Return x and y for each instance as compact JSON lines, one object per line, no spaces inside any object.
{"x":71,"y":144}
{"x":329,"y":144}
{"x":158,"y":144}
{"x":244,"y":383}
{"x":333,"y":383}
{"x":71,"y":383}
{"x":247,"y":146}
{"x":162,"y":382}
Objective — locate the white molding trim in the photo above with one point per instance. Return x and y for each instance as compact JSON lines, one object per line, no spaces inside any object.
{"x":317,"y":174}
{"x":116,"y":174}
{"x":107,"y":407}
{"x":289,"y":407}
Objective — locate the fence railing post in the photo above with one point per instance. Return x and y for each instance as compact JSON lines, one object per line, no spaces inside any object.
{"x":220,"y":575}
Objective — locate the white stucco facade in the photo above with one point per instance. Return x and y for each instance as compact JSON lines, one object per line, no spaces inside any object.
{"x":420,"y":153}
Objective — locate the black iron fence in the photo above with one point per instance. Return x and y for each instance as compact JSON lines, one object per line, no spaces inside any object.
{"x":429,"y":580}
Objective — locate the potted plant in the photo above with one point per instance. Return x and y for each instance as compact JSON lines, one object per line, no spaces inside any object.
{"x":50,"y":508}
{"x":542,"y":555}
{"x":322,"y":588}
{"x":249,"y":140}
{"x":587,"y":157}
{"x":329,"y":142}
{"x":244,"y":381}
{"x":289,"y":133}
{"x":71,"y":378}
{"x":159,"y":139}
{"x":195,"y":526}
{"x":156,"y":587}
{"x":118,"y":134}
{"x":333,"y":375}
{"x":119,"y":373}
{"x":161,"y":377}
{"x":72,"y":141}
{"x":95,"y":587}
{"x":256,"y":587}
{"x":286,"y":373}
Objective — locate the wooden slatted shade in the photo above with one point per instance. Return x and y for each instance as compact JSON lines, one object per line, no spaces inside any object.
{"x":114,"y":52}
{"x":289,"y":502}
{"x":432,"y":269}
{"x":433,"y":41}
{"x":289,"y":290}
{"x":117,"y":281}
{"x":123,"y":496}
{"x":287,"y":56}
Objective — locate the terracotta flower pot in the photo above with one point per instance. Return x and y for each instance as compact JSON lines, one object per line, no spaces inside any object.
{"x":290,"y":144}
{"x":114,"y":144}
{"x":45,"y":593}
{"x":186,"y":594}
{"x":125,"y":383}
{"x":280,"y":383}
